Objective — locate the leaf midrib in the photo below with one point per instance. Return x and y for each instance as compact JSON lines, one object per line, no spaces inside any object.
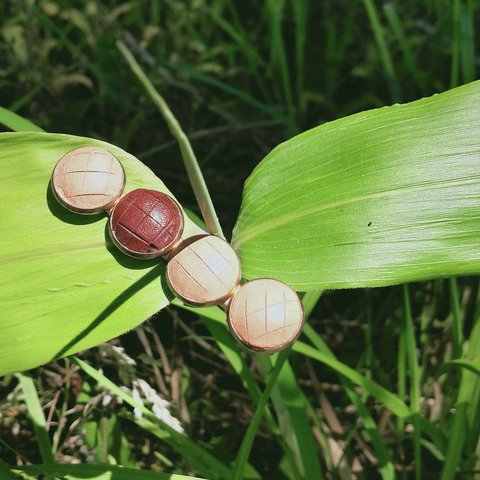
{"x":293,"y":215}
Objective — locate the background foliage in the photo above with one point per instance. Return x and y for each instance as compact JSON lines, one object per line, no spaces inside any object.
{"x":242,"y":77}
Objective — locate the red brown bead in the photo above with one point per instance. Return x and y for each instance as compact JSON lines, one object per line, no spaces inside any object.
{"x":146,"y":223}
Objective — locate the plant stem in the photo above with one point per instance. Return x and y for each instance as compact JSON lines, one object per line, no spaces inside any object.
{"x":457,"y":326}
{"x":414,"y":374}
{"x":192,"y":167}
{"x":383,"y":50}
{"x":247,"y":442}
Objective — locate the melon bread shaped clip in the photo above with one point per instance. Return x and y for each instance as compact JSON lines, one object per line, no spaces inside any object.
{"x":202,"y":270}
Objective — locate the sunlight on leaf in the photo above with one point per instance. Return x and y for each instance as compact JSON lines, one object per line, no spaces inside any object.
{"x":382,"y":197}
{"x":65,"y":286}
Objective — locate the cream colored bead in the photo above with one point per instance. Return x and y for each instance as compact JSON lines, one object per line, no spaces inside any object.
{"x":265,"y":315}
{"x":88,"y":180}
{"x":204,"y":270}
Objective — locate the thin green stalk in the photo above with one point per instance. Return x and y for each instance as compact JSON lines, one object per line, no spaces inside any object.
{"x":249,"y":437}
{"x":414,"y":374}
{"x":383,"y":50}
{"x":391,"y":401}
{"x":467,"y":41}
{"x":453,"y":455}
{"x":469,"y":391}
{"x":289,"y":403}
{"x":214,"y":319}
{"x":457,"y":325}
{"x":465,"y":430}
{"x":309,"y":300}
{"x":411,"y":349}
{"x":103,"y":471}
{"x":387,"y":470}
{"x":37,"y":417}
{"x":275,"y":10}
{"x":397,"y":29}
{"x":300,"y":10}
{"x":256,"y":64}
{"x":454,"y":69}
{"x":190,"y":161}
{"x":16,"y":122}
{"x":401,"y":375}
{"x":369,"y":355}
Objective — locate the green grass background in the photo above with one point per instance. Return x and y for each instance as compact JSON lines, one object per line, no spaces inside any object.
{"x":384,"y":383}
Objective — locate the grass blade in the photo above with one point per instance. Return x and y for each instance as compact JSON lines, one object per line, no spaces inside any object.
{"x":37,"y":417}
{"x":456,"y":441}
{"x":383,"y":50}
{"x":472,"y":366}
{"x":408,"y":59}
{"x":289,"y":402}
{"x":16,"y":122}
{"x":467,"y":40}
{"x":275,"y":10}
{"x":249,"y":437}
{"x":386,"y":467}
{"x":391,"y":401}
{"x":214,"y":319}
{"x":455,"y":65}
{"x":300,"y":10}
{"x":414,"y":374}
{"x":465,"y":429}
{"x":101,"y":472}
{"x":457,"y":326}
{"x":198,"y":457}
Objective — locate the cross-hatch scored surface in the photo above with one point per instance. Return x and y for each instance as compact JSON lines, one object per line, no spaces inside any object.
{"x":205,"y":272}
{"x":146,"y":223}
{"x":265,"y":315}
{"x":88,"y":180}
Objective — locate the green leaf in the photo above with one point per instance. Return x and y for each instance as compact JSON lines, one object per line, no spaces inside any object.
{"x":200,"y":458}
{"x":16,"y":122}
{"x":6,"y":473}
{"x":37,"y":417}
{"x":101,"y":472}
{"x":382,"y":197}
{"x":391,"y":401}
{"x":65,"y":287}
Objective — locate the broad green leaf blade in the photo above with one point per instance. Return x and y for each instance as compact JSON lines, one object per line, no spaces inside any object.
{"x":64,"y":286}
{"x":382,"y":197}
{"x":100,"y":472}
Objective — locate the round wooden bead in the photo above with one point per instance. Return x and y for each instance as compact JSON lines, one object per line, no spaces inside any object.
{"x":146,"y":223}
{"x":88,"y":180}
{"x":204,"y":270}
{"x":265,"y":315}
